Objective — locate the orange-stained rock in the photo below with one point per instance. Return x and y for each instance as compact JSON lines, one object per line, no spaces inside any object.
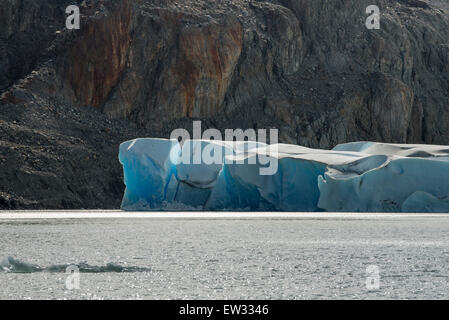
{"x":97,"y":57}
{"x":204,"y":66}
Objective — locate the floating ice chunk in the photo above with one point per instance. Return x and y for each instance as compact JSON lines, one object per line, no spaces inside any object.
{"x":218,"y":175}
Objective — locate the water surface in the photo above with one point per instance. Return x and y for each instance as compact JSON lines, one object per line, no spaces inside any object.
{"x":223,"y":255}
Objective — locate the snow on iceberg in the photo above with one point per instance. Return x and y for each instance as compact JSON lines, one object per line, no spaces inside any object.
{"x":363,"y":176}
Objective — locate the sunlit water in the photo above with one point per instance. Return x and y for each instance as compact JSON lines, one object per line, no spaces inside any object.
{"x":223,"y":255}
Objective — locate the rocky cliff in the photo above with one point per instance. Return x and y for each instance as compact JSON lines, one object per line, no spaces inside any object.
{"x":310,"y":68}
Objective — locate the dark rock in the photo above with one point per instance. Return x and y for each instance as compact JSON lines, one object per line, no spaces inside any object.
{"x":143,"y":68}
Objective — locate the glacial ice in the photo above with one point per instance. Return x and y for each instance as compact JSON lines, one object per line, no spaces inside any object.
{"x":161,"y":174}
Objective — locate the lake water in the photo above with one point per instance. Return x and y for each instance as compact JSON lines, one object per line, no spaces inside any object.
{"x":224,"y":255}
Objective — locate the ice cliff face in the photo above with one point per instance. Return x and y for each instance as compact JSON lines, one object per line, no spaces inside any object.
{"x":410,"y":178}
{"x":363,"y":176}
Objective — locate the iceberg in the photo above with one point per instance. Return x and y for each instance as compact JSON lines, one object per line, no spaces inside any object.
{"x":212,"y":175}
{"x":421,"y":201}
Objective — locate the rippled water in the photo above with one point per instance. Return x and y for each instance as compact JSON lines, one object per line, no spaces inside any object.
{"x":212,"y":256}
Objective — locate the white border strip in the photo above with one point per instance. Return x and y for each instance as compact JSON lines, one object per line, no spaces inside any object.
{"x":117,"y":214}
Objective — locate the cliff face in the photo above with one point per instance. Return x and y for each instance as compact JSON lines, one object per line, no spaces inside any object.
{"x":27,"y":29}
{"x":96,"y":59}
{"x":191,"y":73}
{"x":145,"y":67}
{"x":310,"y":68}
